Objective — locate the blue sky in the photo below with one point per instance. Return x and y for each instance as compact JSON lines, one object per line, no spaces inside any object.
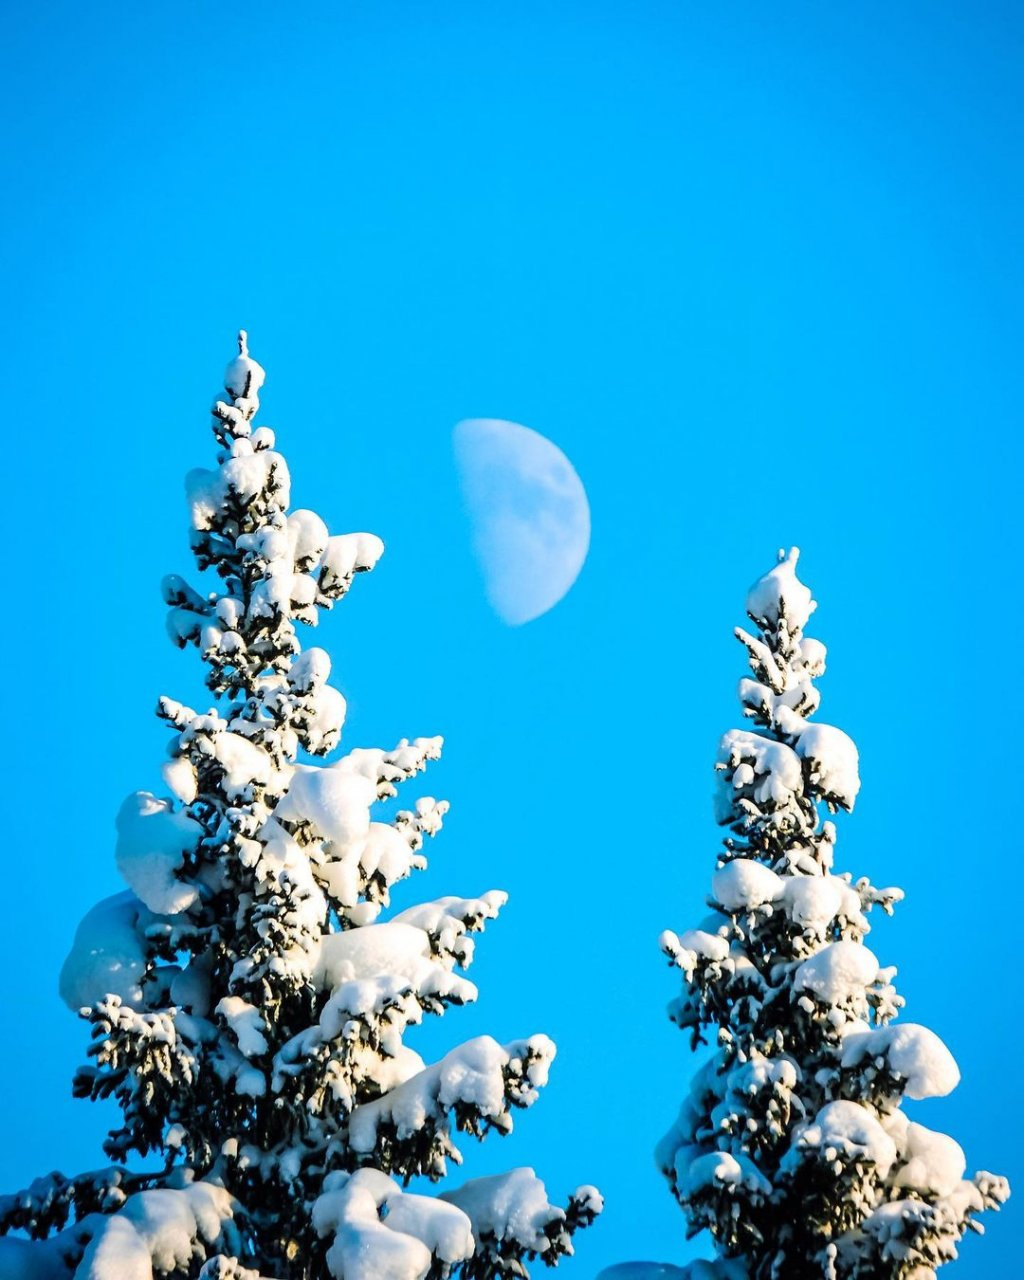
{"x":758,"y":272}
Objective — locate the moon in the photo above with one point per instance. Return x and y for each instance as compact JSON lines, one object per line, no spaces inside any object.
{"x":529,"y":513}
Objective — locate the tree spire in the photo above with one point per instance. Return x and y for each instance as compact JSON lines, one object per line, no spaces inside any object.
{"x":248,"y":1002}
{"x":791,"y":1148}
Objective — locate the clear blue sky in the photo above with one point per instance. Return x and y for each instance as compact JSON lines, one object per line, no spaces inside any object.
{"x":757,"y":269}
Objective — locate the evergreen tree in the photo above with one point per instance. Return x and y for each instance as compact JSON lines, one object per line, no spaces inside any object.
{"x":247,"y":1004}
{"x":792,"y":1149}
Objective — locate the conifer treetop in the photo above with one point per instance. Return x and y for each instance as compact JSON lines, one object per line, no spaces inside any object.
{"x":791,"y":1147}
{"x":248,"y":1000}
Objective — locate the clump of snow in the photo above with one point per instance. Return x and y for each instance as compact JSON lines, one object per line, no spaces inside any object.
{"x":815,"y":901}
{"x":692,"y":947}
{"x":780,"y":594}
{"x":766,"y":771}
{"x":383,"y":1233}
{"x":247,"y":1024}
{"x":333,"y":799}
{"x":510,"y":1206}
{"x":117,"y":1252}
{"x":833,"y":762}
{"x":153,"y":841}
{"x":385,"y":852}
{"x":709,"y":946}
{"x":243,"y":377}
{"x":35,"y":1259}
{"x":447,"y":921}
{"x":382,"y":965}
{"x":345,"y":555}
{"x":722,"y":1169}
{"x":931,"y":1163}
{"x":308,"y":535}
{"x":911,"y":1052}
{"x":472,"y":1075}
{"x":745,"y":885}
{"x":108,"y":956}
{"x":245,"y":765}
{"x":850,"y":1131}
{"x":837,"y":973}
{"x":813,"y":655}
{"x":238,"y":481}
{"x":180,"y":776}
{"x":159,"y":1231}
{"x":391,"y":948}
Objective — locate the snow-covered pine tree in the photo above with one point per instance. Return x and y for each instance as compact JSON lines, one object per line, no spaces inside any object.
{"x":247,"y":1005}
{"x":792,"y":1149}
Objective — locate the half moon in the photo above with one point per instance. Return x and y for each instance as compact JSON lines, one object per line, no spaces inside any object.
{"x":529,"y":512}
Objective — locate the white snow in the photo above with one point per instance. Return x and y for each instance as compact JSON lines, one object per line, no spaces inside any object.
{"x":441,"y":1227}
{"x":780,"y":593}
{"x":745,"y":885}
{"x":709,"y":946}
{"x":116,"y":1252}
{"x":170,"y":1221}
{"x":308,"y":536}
{"x":692,"y":946}
{"x":322,"y":722}
{"x":721,"y":1168}
{"x":931,"y":1163}
{"x":376,"y":965}
{"x":108,"y":956}
{"x":837,"y":973}
{"x":180,"y":776}
{"x":472,"y":1074}
{"x":813,"y":655}
{"x":390,"y":948}
{"x":245,"y":1021}
{"x":508,"y":1206}
{"x":156,"y":1232}
{"x":766,"y":770}
{"x":850,"y":1131}
{"x":245,"y":765}
{"x":333,"y":799}
{"x":152,"y":842}
{"x":243,"y":377}
{"x":833,"y":760}
{"x":910,"y":1051}
{"x":815,"y":901}
{"x":310,"y":670}
{"x":345,"y":555}
{"x":446,"y":921}
{"x":386,"y":851}
{"x":383,"y":1233}
{"x":34,"y":1259}
{"x":238,"y":481}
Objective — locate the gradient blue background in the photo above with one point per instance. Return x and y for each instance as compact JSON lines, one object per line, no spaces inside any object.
{"x":757,"y":269}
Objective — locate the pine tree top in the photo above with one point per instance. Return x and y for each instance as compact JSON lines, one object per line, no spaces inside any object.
{"x":791,"y":1147}
{"x":248,"y":1001}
